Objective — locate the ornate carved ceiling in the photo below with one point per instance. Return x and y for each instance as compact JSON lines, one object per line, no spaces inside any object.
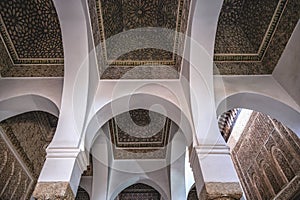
{"x":193,"y":194}
{"x":250,"y":39}
{"x":31,"y":43}
{"x":113,"y":17}
{"x":139,"y":134}
{"x":252,"y":35}
{"x":22,"y":144}
{"x":139,"y":191}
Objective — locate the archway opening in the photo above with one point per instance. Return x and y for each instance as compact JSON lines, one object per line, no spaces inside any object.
{"x":139,"y":191}
{"x":82,"y":194}
{"x":192,"y":194}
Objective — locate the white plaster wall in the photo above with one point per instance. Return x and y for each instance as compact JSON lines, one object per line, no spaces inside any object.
{"x":264,"y":85}
{"x":20,"y":95}
{"x":116,"y":97}
{"x":86,"y":182}
{"x":204,"y":25}
{"x":177,"y":167}
{"x":100,"y":156}
{"x":188,"y":174}
{"x":259,"y":93}
{"x":287,"y":71}
{"x":120,"y":180}
{"x":73,"y":22}
{"x":65,"y":161}
{"x":50,"y":88}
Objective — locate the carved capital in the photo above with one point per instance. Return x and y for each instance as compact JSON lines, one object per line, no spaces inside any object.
{"x":53,"y":191}
{"x":221,"y":191}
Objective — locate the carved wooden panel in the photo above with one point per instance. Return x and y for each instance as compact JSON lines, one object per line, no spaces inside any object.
{"x":267,"y":159}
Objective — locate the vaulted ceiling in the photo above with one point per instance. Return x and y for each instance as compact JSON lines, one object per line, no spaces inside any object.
{"x":139,"y":191}
{"x":252,"y":35}
{"x":139,"y":134}
{"x":31,"y":43}
{"x":250,"y":39}
{"x":112,"y":18}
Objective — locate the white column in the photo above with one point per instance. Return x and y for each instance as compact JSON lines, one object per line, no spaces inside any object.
{"x":213,"y":170}
{"x":177,"y":167}
{"x":64,"y":166}
{"x":65,"y":159}
{"x":100,"y":155}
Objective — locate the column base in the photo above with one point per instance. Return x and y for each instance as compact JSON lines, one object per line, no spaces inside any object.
{"x":221,"y":191}
{"x":53,"y":191}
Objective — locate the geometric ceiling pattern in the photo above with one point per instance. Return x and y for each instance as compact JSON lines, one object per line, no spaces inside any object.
{"x":28,"y":134}
{"x":114,"y":17}
{"x":30,"y":33}
{"x":139,"y":134}
{"x":252,"y":35}
{"x":139,"y":191}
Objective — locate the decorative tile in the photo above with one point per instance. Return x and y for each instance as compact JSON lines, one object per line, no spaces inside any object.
{"x":53,"y":190}
{"x":15,"y":182}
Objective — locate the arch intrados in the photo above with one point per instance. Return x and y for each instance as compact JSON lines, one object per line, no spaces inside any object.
{"x":105,"y":113}
{"x":264,"y":104}
{"x":26,"y":103}
{"x":129,"y":182}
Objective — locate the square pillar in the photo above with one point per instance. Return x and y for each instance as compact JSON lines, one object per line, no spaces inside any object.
{"x":61,"y":173}
{"x":53,"y":190}
{"x":214,"y":173}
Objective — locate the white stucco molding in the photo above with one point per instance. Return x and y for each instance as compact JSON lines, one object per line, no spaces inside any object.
{"x":212,"y":164}
{"x":64,"y":165}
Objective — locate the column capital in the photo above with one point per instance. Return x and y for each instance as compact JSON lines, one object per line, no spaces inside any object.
{"x":53,"y":190}
{"x":211,"y":149}
{"x":61,"y":173}
{"x":77,"y":153}
{"x":221,"y":190}
{"x":214,"y":172}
